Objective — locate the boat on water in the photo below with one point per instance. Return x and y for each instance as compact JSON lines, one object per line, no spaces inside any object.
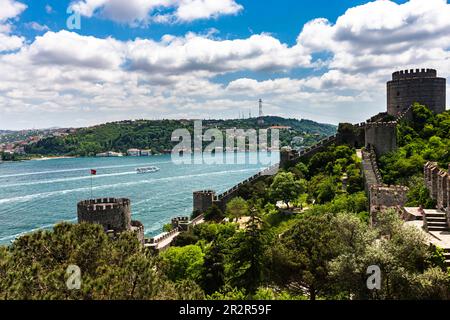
{"x":147,"y":169}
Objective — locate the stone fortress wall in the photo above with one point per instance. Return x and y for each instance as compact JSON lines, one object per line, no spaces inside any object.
{"x":437,"y":182}
{"x":381,"y":135}
{"x":375,"y":134}
{"x":381,"y":196}
{"x":203,"y":200}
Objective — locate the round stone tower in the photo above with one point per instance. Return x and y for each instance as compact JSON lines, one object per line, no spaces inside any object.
{"x":113,"y":214}
{"x":420,"y":85}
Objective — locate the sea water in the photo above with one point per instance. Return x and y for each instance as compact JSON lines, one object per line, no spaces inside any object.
{"x":38,"y":194}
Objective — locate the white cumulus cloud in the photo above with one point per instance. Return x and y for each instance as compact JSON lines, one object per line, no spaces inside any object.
{"x":68,"y":79}
{"x":195,"y":53}
{"x":144,"y":11}
{"x":37,"y":26}
{"x":383,"y":34}
{"x":9,"y":9}
{"x":189,"y":10}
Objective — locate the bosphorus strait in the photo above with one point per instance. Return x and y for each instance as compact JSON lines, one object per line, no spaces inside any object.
{"x":38,"y":194}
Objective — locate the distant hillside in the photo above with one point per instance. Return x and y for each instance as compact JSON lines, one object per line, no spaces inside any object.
{"x":156,"y":135}
{"x":9,"y":136}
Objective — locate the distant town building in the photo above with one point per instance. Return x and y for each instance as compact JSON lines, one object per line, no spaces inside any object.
{"x":281,"y":127}
{"x":298,"y":140}
{"x":139,"y":153}
{"x":19,"y":150}
{"x":146,"y":153}
{"x":134,"y":152}
{"x":110,"y":154}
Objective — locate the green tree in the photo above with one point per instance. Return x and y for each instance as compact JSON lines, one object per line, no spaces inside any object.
{"x":402,"y":254}
{"x":325,"y":190}
{"x":285,"y":188}
{"x":237,"y":208}
{"x":300,"y":256}
{"x":183,"y":262}
{"x":214,"y":214}
{"x":418,"y":194}
{"x":35,"y":265}
{"x":246,"y":259}
{"x":214,"y":268}
{"x":347,"y":272}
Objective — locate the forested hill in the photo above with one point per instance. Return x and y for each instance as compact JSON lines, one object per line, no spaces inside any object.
{"x":156,"y":135}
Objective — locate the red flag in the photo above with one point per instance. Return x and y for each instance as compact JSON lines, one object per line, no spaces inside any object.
{"x":93,"y":172}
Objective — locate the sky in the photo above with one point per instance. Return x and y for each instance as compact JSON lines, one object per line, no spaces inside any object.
{"x":324,"y":60}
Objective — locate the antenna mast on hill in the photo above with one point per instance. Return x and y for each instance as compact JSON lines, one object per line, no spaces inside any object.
{"x":261,"y":114}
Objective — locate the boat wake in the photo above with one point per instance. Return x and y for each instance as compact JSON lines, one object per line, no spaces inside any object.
{"x":77,"y":169}
{"x":117,"y":185}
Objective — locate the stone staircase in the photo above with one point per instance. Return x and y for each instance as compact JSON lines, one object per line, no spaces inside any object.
{"x":436,"y":221}
{"x":447,"y":257}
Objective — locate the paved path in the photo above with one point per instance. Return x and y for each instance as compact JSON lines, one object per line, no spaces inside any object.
{"x":196,"y":222}
{"x":166,"y":242}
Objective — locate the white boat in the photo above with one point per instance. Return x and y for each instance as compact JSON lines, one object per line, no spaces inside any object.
{"x":147,"y":170}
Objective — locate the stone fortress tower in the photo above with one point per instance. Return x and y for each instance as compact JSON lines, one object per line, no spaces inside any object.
{"x":419,"y":85}
{"x":203,"y":200}
{"x":113,"y":214}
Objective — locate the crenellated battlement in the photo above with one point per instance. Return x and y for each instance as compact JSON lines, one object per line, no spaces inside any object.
{"x":180,"y":219}
{"x":414,"y":74}
{"x":181,"y":223}
{"x":389,"y":188}
{"x":389,"y":124}
{"x":103,"y":204}
{"x":205,"y":193}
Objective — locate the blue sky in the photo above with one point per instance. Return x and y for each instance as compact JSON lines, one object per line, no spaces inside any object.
{"x":284,"y":19}
{"x":325,"y":60}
